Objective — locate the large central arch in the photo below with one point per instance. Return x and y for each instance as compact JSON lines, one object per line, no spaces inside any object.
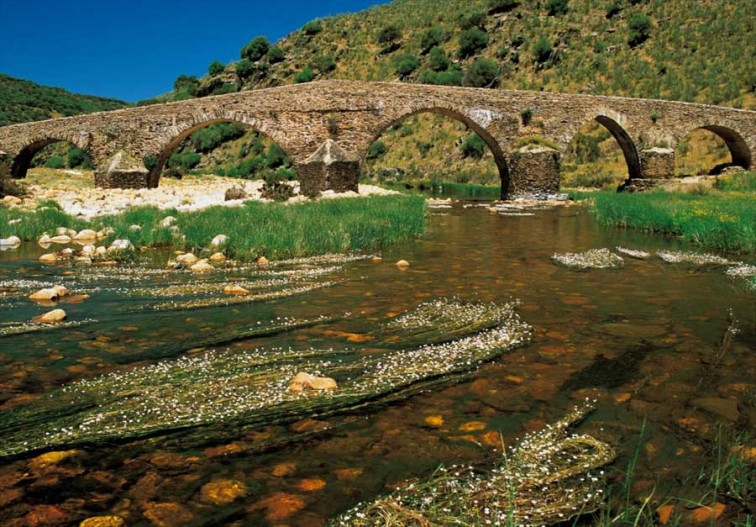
{"x":169,"y":147}
{"x":493,"y":145}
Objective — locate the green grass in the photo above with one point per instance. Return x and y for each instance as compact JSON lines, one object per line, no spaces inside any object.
{"x":273,"y":230}
{"x":723,"y":221}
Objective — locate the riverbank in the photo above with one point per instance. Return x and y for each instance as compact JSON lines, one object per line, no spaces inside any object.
{"x":252,"y":230}
{"x":466,"y":191}
{"x":721,"y":218}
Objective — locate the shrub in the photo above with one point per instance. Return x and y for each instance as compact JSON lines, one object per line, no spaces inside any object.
{"x":325,"y":63}
{"x":376,"y":150}
{"x":586,"y":148}
{"x":431,"y":38}
{"x":437,"y":60}
{"x":640,"y":27}
{"x":557,"y":7}
{"x":473,"y":146}
{"x":613,"y":10}
{"x":476,"y":19}
{"x":501,"y":6}
{"x":276,"y":157}
{"x":213,"y":136}
{"x":407,"y":64}
{"x":150,"y":162}
{"x":224,"y":88}
{"x":55,"y":161}
{"x":185,"y":160}
{"x":452,"y":77}
{"x":312,"y":28}
{"x":77,"y":157}
{"x":482,"y":73}
{"x":389,"y":34}
{"x":527,"y":116}
{"x":244,"y":68}
{"x":256,"y":49}
{"x":188,"y":84}
{"x":472,"y":41}
{"x":542,"y":50}
{"x":215,"y":68}
{"x":306,"y":75}
{"x":275,"y":55}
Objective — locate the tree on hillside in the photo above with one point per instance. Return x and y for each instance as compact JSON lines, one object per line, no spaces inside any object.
{"x":431,"y":38}
{"x":389,"y":34}
{"x":244,"y":68}
{"x":557,"y":7}
{"x":275,"y":55}
{"x":188,"y":84}
{"x":472,"y":41}
{"x":542,"y":50}
{"x":312,"y":28}
{"x":306,"y":75}
{"x":640,"y":29}
{"x":482,"y":74}
{"x":473,"y":146}
{"x":437,"y":59}
{"x":215,"y":68}
{"x":256,"y":49}
{"x":407,"y":64}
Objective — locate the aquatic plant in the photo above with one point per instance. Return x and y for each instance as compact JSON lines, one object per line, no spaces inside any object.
{"x":249,"y":387}
{"x":546,"y":478}
{"x":698,"y":259}
{"x":633,"y":253}
{"x":592,"y":259}
{"x":744,"y":271}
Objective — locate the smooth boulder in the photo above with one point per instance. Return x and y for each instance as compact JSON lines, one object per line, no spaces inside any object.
{"x":306,"y":382}
{"x":51,"y":317}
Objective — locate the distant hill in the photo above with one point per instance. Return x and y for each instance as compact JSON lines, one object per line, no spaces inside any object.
{"x":22,"y":101}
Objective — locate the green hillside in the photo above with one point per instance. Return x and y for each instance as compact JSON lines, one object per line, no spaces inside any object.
{"x":22,"y":101}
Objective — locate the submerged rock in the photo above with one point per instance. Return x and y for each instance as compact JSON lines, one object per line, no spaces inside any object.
{"x":262,"y":261}
{"x":304,"y":381}
{"x":103,"y":521}
{"x":51,"y":317}
{"x":48,"y":294}
{"x":187,"y":259}
{"x":48,"y":258}
{"x":593,"y":259}
{"x":222,"y":492}
{"x":402,"y":264}
{"x":235,"y":290}
{"x":201,"y":266}
{"x":218,"y":258}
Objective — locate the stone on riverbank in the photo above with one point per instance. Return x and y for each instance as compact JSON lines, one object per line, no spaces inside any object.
{"x":201,"y":267}
{"x":85,"y":235}
{"x":10,"y":241}
{"x":48,"y":258}
{"x":402,"y":264}
{"x":304,"y":381}
{"x":235,"y":290}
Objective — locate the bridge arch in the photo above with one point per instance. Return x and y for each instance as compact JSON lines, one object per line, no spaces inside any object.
{"x":740,"y":153}
{"x":171,"y":141}
{"x":23,"y":160}
{"x":493,"y":145}
{"x":625,"y":141}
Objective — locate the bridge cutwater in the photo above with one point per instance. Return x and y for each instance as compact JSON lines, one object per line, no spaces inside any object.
{"x":326,"y":128}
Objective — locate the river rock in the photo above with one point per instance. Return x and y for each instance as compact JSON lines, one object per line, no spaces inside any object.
{"x":120,"y":245}
{"x":187,"y":259}
{"x":101,"y":251}
{"x":62,"y":239}
{"x":402,"y":264}
{"x":48,"y":258}
{"x":104,"y":233}
{"x":10,"y":241}
{"x":51,"y":317}
{"x":12,"y":200}
{"x":219,"y":240}
{"x":222,"y":492}
{"x":85,"y":235}
{"x":233,"y":289}
{"x":262,"y":261}
{"x":201,"y":266}
{"x":48,"y":294}
{"x":44,"y":240}
{"x":218,"y":258}
{"x":103,"y":521}
{"x":61,"y":231}
{"x":88,"y":250}
{"x":304,"y":381}
{"x":167,"y":221}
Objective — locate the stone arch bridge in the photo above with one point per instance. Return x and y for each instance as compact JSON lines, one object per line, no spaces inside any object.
{"x":326,"y":128}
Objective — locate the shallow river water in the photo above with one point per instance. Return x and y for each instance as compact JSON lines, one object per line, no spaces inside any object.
{"x":644,"y":341}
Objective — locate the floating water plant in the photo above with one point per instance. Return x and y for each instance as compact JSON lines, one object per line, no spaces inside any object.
{"x":249,"y":387}
{"x":592,"y":259}
{"x":698,"y":259}
{"x":547,"y":478}
{"x":633,"y":253}
{"x":746,"y":272}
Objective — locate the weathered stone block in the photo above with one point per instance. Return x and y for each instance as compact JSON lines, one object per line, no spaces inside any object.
{"x":533,"y":168}
{"x":329,"y":168}
{"x":657,"y":163}
{"x":122,"y":171}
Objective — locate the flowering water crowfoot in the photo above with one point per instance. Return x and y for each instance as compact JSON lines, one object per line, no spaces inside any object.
{"x":633,"y":253}
{"x":699,"y":259}
{"x":746,"y":272}
{"x":548,"y":477}
{"x":250,"y":388}
{"x":592,"y":259}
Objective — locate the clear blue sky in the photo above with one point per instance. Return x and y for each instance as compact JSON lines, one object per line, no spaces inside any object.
{"x":135,"y":49}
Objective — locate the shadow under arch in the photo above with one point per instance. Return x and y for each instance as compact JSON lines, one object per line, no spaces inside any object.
{"x":739,"y":151}
{"x":498,"y":154}
{"x":168,"y":148}
{"x":22,"y":161}
{"x":626,"y":144}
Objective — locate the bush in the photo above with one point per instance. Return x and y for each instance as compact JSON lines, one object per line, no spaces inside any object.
{"x":150,"y":162}
{"x":437,"y":60}
{"x":542,"y":50}
{"x":586,"y":148}
{"x":501,"y":6}
{"x":482,"y":73}
{"x":407,"y":64}
{"x":55,"y":161}
{"x":188,"y":84}
{"x":613,"y":10}
{"x":256,"y":49}
{"x":389,"y":34}
{"x":376,"y":150}
{"x":275,"y":55}
{"x":244,"y":68}
{"x":306,"y":75}
{"x":431,"y":38}
{"x":527,"y":116}
{"x":213,"y":136}
{"x":249,"y":167}
{"x":276,"y":187}
{"x":215,"y":68}
{"x":325,"y":63}
{"x":224,"y":88}
{"x":312,"y":28}
{"x":185,"y":160}
{"x":557,"y":7}
{"x":77,"y":158}
{"x":473,"y":146}
{"x":276,"y":157}
{"x":640,"y":27}
{"x":453,"y":77}
{"x":476,"y":19}
{"x":472,"y":41}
